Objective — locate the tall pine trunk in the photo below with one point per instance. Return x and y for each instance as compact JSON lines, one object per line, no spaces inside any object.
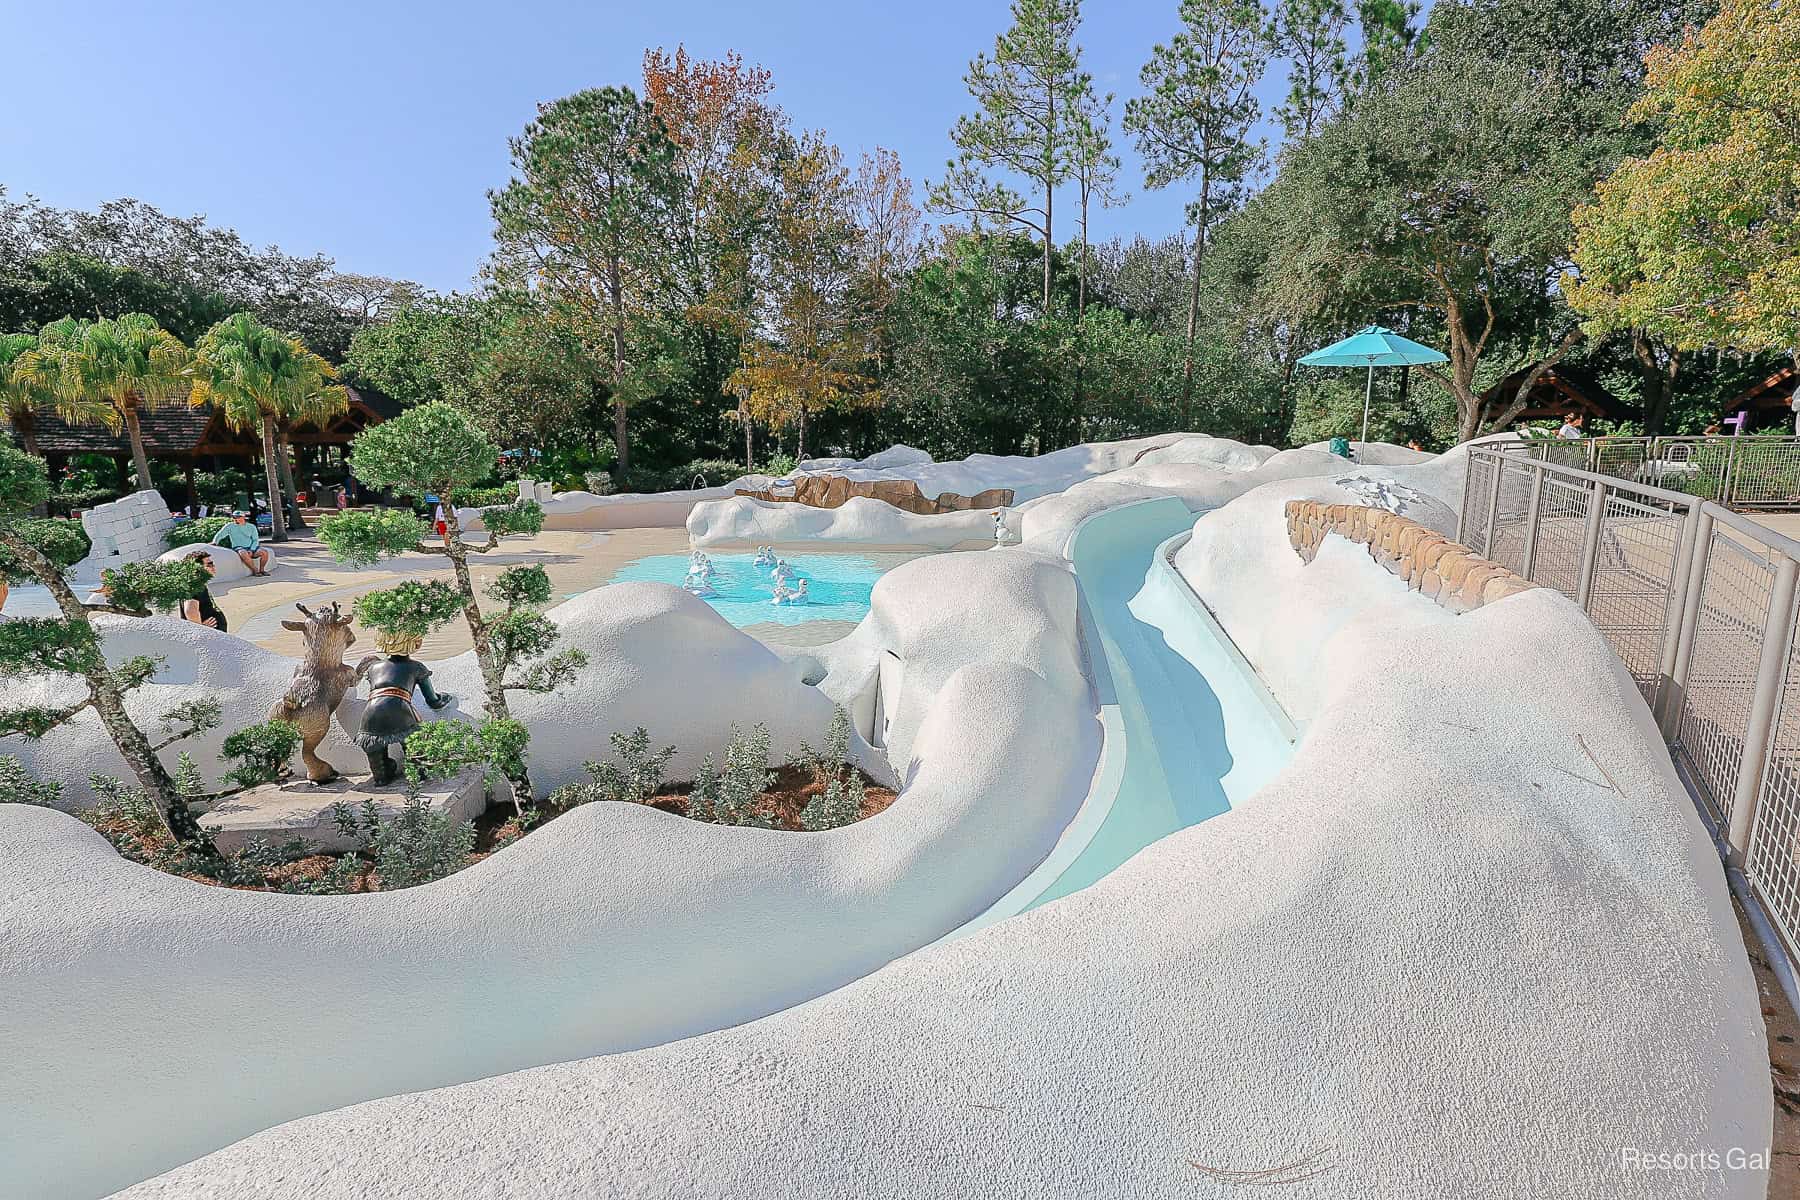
{"x":278,"y":519}
{"x":1193,"y":315}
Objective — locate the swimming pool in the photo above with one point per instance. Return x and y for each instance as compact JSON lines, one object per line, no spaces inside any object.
{"x":838,"y":585}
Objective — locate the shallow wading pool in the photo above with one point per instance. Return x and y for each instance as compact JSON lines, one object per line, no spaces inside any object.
{"x":838,"y":585}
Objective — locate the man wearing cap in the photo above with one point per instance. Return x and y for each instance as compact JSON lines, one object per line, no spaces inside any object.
{"x":241,"y":536}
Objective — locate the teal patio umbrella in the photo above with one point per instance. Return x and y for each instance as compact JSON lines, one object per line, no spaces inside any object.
{"x":1372,"y":347}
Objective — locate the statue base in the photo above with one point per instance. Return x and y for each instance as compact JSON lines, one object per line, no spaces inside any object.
{"x":295,"y":808}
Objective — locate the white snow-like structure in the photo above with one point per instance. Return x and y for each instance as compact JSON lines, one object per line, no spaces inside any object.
{"x":549,"y":952}
{"x":227,"y":566}
{"x":1472,"y":941}
{"x":129,"y":529}
{"x":859,"y":519}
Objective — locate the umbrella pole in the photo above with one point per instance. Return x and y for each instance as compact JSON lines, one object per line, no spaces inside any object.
{"x":1368,"y":392}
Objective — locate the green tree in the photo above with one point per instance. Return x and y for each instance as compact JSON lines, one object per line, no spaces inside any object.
{"x":1696,"y":245}
{"x":434,"y":449}
{"x":583,"y":224}
{"x":30,"y":384}
{"x":131,"y":363}
{"x":43,"y":550}
{"x":260,"y":379}
{"x":1195,"y":120}
{"x":1027,"y":98}
{"x":1309,"y":34}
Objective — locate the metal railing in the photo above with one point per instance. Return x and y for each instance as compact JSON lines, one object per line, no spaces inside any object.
{"x":1699,"y":603}
{"x":1743,"y":472}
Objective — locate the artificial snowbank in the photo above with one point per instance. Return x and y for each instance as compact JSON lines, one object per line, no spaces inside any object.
{"x":625,"y":510}
{"x":227,"y":566}
{"x":860,"y":519}
{"x":1441,"y":954}
{"x":146,"y":1019}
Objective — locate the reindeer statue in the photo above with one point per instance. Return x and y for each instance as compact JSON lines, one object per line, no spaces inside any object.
{"x":319,"y":684}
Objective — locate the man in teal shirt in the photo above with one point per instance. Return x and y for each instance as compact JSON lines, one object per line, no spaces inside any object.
{"x":241,"y":536}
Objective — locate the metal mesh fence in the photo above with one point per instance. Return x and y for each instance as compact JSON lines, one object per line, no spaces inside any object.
{"x":1772,"y":862}
{"x":1721,"y":678}
{"x":1634,"y":574}
{"x":1698,"y":602}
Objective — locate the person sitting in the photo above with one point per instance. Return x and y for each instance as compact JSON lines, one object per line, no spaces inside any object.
{"x":240,"y":535}
{"x":201,"y":608}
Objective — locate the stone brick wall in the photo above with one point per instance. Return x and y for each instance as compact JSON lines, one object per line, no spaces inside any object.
{"x":831,"y":491}
{"x":129,"y":529}
{"x":1449,"y":572}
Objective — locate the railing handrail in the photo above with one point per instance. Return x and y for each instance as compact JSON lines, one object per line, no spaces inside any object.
{"x":1778,"y":542}
{"x":1721,"y":669}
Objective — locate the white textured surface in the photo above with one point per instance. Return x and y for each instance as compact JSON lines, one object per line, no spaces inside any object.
{"x":614,"y":927}
{"x":1438,"y":956}
{"x":227,"y":566}
{"x":129,"y":529}
{"x":860,"y":519}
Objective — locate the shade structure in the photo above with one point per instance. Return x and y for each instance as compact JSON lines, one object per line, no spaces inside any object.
{"x":1372,"y":347}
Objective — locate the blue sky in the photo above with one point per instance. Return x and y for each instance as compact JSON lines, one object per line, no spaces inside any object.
{"x":372,"y":131}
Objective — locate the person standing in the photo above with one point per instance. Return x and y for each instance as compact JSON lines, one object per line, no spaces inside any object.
{"x":1571,"y":427}
{"x":242,"y":537}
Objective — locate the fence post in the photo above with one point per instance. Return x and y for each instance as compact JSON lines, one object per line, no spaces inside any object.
{"x":1493,"y":507}
{"x":1673,"y":614}
{"x":1533,"y":507}
{"x":1693,"y":598}
{"x":1728,"y":471}
{"x":1590,"y":543}
{"x":1771,"y":673}
{"x":1462,"y":513}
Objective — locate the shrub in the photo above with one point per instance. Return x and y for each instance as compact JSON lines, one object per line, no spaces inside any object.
{"x":195,"y":532}
{"x":19,"y":786}
{"x":778,"y":465}
{"x":730,"y":796}
{"x":482,"y":497}
{"x":413,"y":608}
{"x":261,"y":752}
{"x":840,"y":800}
{"x":440,"y":749}
{"x":631,"y":778}
{"x":63,"y":542}
{"x":418,"y":845}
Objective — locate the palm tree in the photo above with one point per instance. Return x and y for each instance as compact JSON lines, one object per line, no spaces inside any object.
{"x":130,"y":364}
{"x":308,"y":408}
{"x":257,"y":378}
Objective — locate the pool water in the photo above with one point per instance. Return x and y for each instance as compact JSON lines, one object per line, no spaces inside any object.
{"x":838,"y":586}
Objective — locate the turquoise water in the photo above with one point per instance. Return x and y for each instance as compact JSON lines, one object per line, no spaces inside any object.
{"x":838,"y":586}
{"x":1189,"y":732}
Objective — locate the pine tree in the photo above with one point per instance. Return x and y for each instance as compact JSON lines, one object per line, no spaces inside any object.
{"x":1027,"y":96}
{"x":1196,"y":121}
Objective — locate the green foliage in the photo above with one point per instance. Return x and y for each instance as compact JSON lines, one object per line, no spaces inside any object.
{"x":522,"y":516}
{"x":517,"y":636}
{"x":62,"y":541}
{"x":417,"y":845}
{"x":482,"y":497}
{"x":361,"y":538}
{"x":196,"y":532}
{"x":142,"y":586}
{"x":19,"y":786}
{"x":260,"y":752}
{"x":34,"y":645}
{"x":425,"y":450}
{"x":190,"y":717}
{"x":24,"y":481}
{"x":521,"y":585}
{"x":731,"y":796}
{"x":412,"y":609}
{"x":631,"y":777}
{"x":841,"y":800}
{"x":440,"y":749}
